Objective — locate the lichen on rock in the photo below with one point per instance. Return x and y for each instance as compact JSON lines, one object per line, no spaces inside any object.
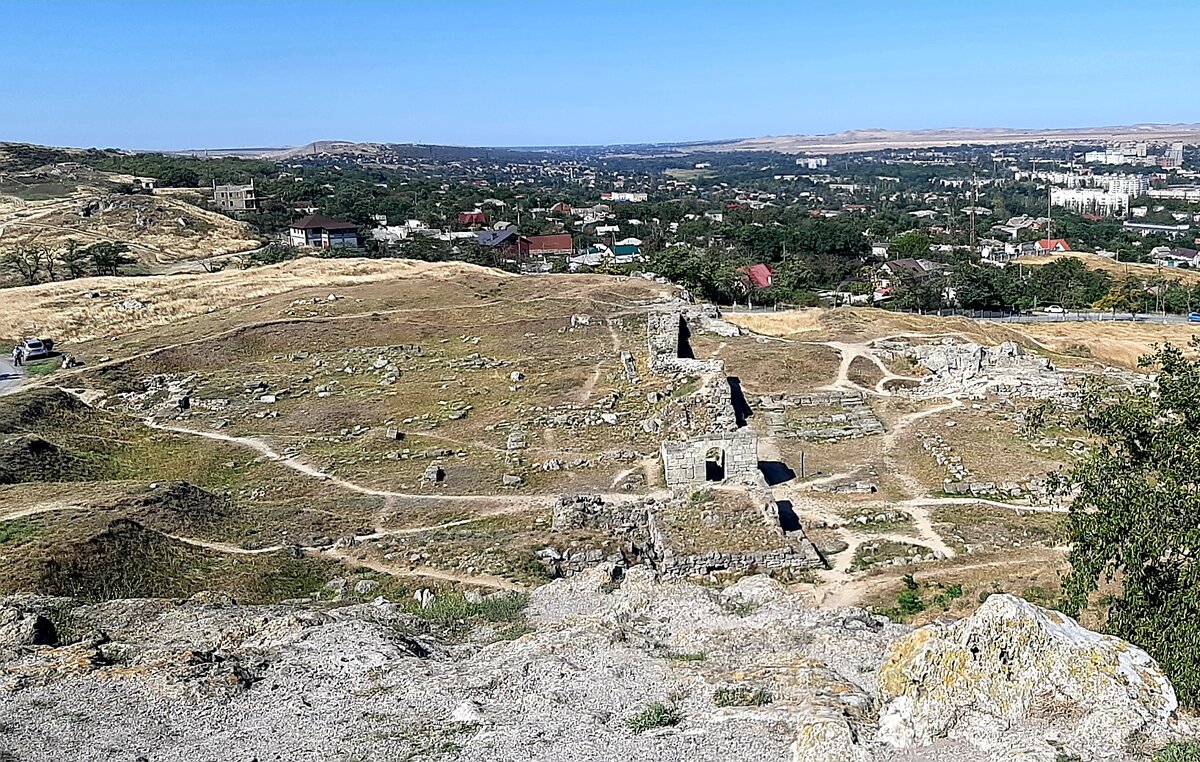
{"x":1013,"y":662}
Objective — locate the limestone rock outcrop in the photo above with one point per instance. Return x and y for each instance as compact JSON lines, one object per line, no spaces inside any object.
{"x":1012,"y":663}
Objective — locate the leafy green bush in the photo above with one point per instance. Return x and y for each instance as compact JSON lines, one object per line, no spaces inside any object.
{"x":909,"y":602}
{"x":657,"y":715}
{"x":1182,"y":751}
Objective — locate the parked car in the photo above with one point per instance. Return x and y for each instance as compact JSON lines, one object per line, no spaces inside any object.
{"x":36,"y":349}
{"x":1054,"y":309}
{"x":1194,"y":317}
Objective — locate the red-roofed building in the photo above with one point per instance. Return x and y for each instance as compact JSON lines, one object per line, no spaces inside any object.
{"x":1047,"y":245}
{"x":760,"y":276}
{"x":472,"y":218}
{"x":557,"y":245}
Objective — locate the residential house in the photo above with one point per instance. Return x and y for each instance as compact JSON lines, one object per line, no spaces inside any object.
{"x":758,"y":276}
{"x":1166,"y":256}
{"x":547,"y":246}
{"x":476,"y":217}
{"x":507,"y":243}
{"x":1052,"y":246}
{"x":907,"y":270}
{"x":599,"y":254}
{"x":319,"y":232}
{"x":235,"y":199}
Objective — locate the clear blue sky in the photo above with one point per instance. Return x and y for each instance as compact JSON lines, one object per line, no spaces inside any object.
{"x":187,"y":74}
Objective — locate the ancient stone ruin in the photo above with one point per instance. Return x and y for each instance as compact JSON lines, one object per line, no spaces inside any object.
{"x":709,"y":444}
{"x":685,"y":535}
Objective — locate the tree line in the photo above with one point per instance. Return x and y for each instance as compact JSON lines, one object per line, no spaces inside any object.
{"x":32,"y":263}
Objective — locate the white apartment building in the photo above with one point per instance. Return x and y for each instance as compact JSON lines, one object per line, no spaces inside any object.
{"x":1180,"y":192}
{"x":1090,"y":200}
{"x":1132,"y":185}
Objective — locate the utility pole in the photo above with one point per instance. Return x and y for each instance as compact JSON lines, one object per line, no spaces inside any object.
{"x":974,"y":202}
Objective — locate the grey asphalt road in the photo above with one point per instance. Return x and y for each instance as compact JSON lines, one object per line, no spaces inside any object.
{"x":11,"y":378}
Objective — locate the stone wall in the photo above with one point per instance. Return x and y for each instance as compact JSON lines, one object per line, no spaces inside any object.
{"x":824,"y":416}
{"x":684,"y":462}
{"x":645,"y":539}
{"x":664,"y":328}
{"x":794,"y":553}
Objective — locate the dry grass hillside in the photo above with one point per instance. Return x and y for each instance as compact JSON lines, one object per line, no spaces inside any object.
{"x":1119,"y":269}
{"x":89,"y":308}
{"x":1113,"y":343}
{"x":47,"y":206}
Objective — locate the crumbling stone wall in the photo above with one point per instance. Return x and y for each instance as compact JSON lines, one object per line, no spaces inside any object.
{"x":645,"y":539}
{"x":664,"y":329}
{"x":794,"y":553}
{"x":685,"y":462}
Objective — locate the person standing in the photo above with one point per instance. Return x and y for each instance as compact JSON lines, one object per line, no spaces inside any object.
{"x":18,"y":356}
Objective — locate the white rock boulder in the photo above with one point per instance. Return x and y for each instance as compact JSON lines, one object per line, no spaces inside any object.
{"x":1015,"y":664}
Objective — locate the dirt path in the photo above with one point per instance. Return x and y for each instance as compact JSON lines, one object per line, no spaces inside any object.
{"x":850,"y":591}
{"x":34,"y":510}
{"x":374,"y":564}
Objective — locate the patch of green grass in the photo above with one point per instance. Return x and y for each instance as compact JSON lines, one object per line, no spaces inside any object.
{"x":742,"y":696}
{"x":1180,"y":751}
{"x":42,"y":368}
{"x":657,"y":715}
{"x":741,"y":608}
{"x":16,"y":532}
{"x":455,"y":615}
{"x":943,"y":599}
{"x":678,"y":656}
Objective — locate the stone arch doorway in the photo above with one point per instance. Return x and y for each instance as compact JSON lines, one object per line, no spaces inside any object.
{"x":714,"y":465}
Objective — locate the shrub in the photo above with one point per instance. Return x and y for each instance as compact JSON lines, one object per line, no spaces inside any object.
{"x":1181,"y":751}
{"x":657,"y":715}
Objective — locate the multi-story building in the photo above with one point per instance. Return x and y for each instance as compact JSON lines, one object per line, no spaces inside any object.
{"x":624,"y":196}
{"x":1132,"y":185}
{"x":1181,"y":192}
{"x":1090,"y":200}
{"x":319,"y":232}
{"x":235,"y":199}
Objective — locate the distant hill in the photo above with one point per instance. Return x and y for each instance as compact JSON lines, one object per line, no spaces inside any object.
{"x":879,"y":139}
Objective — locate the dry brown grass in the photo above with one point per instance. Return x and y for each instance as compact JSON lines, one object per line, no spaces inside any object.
{"x":1118,"y":344}
{"x":1118,"y":269}
{"x":65,"y":311}
{"x":159,"y":239}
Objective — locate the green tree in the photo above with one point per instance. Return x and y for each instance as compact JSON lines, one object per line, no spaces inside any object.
{"x":1135,"y":519}
{"x":1129,"y":295}
{"x":109,"y":257}
{"x":27,"y":262}
{"x":911,"y":245}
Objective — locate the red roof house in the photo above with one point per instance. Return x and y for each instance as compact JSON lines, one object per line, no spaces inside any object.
{"x":759,"y":275}
{"x":1052,"y":244}
{"x":472,"y":218}
{"x":550,"y":245}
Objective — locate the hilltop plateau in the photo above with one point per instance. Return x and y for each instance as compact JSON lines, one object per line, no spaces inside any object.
{"x":438,"y":507}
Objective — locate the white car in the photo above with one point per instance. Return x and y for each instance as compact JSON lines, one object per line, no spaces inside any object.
{"x":1054,"y":309}
{"x":35,"y":349}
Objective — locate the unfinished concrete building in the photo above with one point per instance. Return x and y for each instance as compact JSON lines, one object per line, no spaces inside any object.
{"x":235,"y":199}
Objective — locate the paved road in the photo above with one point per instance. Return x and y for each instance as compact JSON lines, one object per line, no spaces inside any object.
{"x":11,"y":378}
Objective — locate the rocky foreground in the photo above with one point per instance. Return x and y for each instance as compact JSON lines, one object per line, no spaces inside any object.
{"x":608,"y":669}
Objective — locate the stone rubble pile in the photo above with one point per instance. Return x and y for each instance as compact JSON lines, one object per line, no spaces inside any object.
{"x":187,"y":679}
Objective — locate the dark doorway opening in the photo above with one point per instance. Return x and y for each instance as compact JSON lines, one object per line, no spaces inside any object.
{"x":685,"y":343}
{"x":741,"y":408}
{"x":714,"y":465}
